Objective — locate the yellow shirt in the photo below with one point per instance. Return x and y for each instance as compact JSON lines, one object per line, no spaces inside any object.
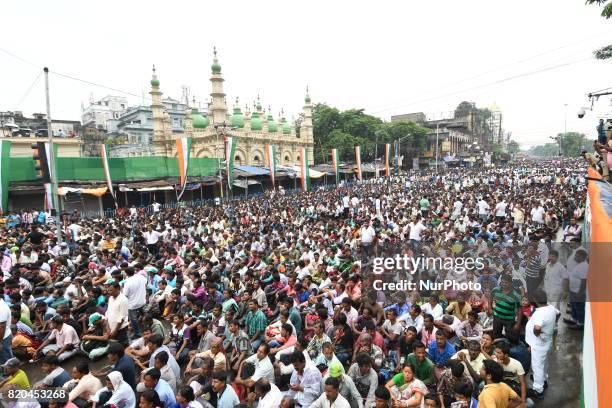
{"x":496,"y":396}
{"x":20,"y":379}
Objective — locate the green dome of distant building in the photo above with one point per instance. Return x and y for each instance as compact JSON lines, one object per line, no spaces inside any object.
{"x":307,"y":98}
{"x":216,"y":67}
{"x":155,"y":82}
{"x":198,"y":121}
{"x":286,"y":127}
{"x":272,"y":127}
{"x":256,"y":122}
{"x":237,"y":118}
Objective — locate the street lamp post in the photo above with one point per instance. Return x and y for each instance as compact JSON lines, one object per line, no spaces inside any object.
{"x":437,"y":140}
{"x":565,"y":129}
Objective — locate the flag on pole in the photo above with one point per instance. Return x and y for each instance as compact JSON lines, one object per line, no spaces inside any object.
{"x":271,"y":161}
{"x":336,"y":164}
{"x":5,"y":149}
{"x":387,"y":158}
{"x":230,"y":151}
{"x":49,"y":197}
{"x":107,"y":176}
{"x":304,"y":172}
{"x":358,"y":160}
{"x":183,"y":147}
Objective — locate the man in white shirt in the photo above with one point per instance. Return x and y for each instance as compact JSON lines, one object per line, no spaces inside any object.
{"x":483,"y":210}
{"x":305,"y":382}
{"x":577,"y":288}
{"x":500,"y":210}
{"x":539,"y":333}
{"x":413,"y":318}
{"x":267,"y":394}
{"x":555,"y":279}
{"x":117,"y":313}
{"x":263,"y":367}
{"x":367,"y":238}
{"x":537,"y":214}
{"x":152,"y":238}
{"x":433,"y":308}
{"x":416,"y":230}
{"x":5,"y":329}
{"x":331,"y":398}
{"x":135,"y":290}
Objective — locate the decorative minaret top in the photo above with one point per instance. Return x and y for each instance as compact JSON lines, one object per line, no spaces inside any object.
{"x":307,"y":98}
{"x":157,"y":108}
{"x":218,"y":109}
{"x":306,"y":131}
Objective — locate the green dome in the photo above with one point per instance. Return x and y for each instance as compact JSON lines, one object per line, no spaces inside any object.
{"x":199,"y":121}
{"x":215,"y":67}
{"x":237,"y":119}
{"x":286,"y":127}
{"x":307,"y":98}
{"x":272,"y":127}
{"x":256,"y":122}
{"x":155,"y":82}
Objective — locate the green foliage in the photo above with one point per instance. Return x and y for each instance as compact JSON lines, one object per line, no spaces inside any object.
{"x":464,"y":108}
{"x":607,"y":9}
{"x":513,"y":147}
{"x":571,"y":144}
{"x":603,"y":53}
{"x":344,"y":130}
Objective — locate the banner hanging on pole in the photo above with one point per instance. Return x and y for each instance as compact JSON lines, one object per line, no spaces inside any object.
{"x":358,"y":161}
{"x":336,"y":163}
{"x":183,"y":148}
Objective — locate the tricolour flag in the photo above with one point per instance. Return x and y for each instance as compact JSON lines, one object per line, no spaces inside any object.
{"x":387,"y":158}
{"x":304,"y":172}
{"x":230,"y":151}
{"x":358,"y":160}
{"x":183,"y":148}
{"x":107,"y":177}
{"x":5,"y":149}
{"x":271,"y":161}
{"x":49,"y":197}
{"x":336,"y":163}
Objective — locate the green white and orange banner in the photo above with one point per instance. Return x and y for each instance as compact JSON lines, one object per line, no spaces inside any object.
{"x":107,"y":177}
{"x":358,"y":161}
{"x":336,"y":163}
{"x":387,"y":158}
{"x":5,"y":149}
{"x":230,"y":151}
{"x":183,"y":148}
{"x":271,"y":162}
{"x":304,"y":171}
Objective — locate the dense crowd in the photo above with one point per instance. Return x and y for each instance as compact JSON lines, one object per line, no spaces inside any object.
{"x":272,"y":301}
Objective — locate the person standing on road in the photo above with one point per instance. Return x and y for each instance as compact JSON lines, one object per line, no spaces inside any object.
{"x":539,"y":335}
{"x":6,"y":352}
{"x":135,"y":290}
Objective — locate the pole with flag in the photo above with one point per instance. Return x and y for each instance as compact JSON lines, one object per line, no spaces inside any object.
{"x":358,"y":161}
{"x":230,"y":151}
{"x":107,"y":176}
{"x":336,"y":164}
{"x":183,"y":148}
{"x":5,"y":149}
{"x":304,"y":171}
{"x":387,"y":158}
{"x":271,"y":160}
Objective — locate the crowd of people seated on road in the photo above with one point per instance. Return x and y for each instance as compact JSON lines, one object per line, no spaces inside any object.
{"x":274,"y":301}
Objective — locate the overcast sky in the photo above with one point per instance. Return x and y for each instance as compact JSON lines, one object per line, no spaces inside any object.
{"x":388,"y":57}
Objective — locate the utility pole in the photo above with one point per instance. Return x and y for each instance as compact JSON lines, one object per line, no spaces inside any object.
{"x":376,"y":155}
{"x":565,"y":130}
{"x":437,"y":137}
{"x":52,"y":172}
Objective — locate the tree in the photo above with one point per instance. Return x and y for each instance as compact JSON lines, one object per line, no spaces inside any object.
{"x":344,"y":130}
{"x":513,"y":147}
{"x":464,"y":108}
{"x":605,"y":52}
{"x":570,"y":143}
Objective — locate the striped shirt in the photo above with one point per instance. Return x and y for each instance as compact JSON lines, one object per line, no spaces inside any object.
{"x":506,"y":304}
{"x":532,"y":267}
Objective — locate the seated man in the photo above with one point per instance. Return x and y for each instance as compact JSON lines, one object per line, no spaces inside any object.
{"x":96,"y":339}
{"x":65,"y":337}
{"x":17,"y":378}
{"x":55,"y":377}
{"x":83,"y":385}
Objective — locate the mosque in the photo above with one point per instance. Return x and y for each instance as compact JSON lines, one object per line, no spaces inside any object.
{"x":252,"y":130}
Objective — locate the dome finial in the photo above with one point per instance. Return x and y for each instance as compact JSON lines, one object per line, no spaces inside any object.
{"x":237,"y":101}
{"x":215,"y":67}
{"x":154,"y":80}
{"x":307,"y":98}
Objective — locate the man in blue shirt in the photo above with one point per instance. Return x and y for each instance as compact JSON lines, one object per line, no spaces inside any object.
{"x":440,"y":351}
{"x":153,"y":381}
{"x":226,"y":396}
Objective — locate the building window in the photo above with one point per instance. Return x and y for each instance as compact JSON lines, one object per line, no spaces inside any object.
{"x":287,"y":158}
{"x":298,"y":157}
{"x":237,"y":159}
{"x":256,"y":159}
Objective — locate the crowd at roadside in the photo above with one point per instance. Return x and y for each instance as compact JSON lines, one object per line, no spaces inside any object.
{"x":271,"y":301}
